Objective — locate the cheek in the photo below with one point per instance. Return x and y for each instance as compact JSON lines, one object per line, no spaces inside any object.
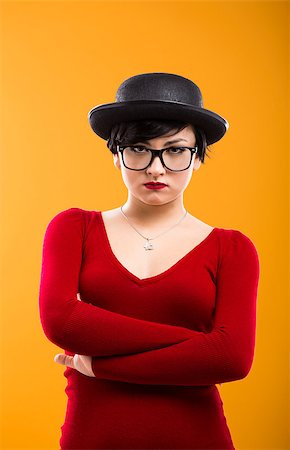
{"x":130,"y":178}
{"x":184,"y":178}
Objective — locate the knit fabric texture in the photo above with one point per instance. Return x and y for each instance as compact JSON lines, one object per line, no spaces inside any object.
{"x":160,"y":345}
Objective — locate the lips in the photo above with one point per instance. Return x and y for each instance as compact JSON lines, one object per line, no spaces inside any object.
{"x":155,"y":184}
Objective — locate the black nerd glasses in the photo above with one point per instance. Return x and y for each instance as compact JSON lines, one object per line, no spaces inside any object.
{"x":138,"y":157}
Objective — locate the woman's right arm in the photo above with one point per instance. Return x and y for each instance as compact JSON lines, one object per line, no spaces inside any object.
{"x":81,"y":327}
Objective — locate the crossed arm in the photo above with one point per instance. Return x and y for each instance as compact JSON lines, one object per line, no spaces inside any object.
{"x":158,"y":354}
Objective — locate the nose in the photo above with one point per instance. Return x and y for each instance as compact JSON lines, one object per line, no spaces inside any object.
{"x":156,"y":166}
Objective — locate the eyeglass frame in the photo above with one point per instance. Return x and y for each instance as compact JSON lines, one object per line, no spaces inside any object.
{"x":154,"y":153}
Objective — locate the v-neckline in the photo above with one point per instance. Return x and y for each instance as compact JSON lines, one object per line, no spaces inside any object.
{"x":153,"y":278}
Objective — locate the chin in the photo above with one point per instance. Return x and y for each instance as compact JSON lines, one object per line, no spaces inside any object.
{"x":155,"y":201}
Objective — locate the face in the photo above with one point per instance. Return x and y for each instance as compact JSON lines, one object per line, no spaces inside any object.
{"x":176,"y":181}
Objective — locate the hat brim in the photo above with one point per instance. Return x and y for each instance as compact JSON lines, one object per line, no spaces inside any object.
{"x":103,"y":117}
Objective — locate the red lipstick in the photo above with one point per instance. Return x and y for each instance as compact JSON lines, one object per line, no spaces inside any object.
{"x":153,"y":185}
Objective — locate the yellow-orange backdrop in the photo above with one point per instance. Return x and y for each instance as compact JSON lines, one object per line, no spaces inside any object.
{"x":59,"y":59}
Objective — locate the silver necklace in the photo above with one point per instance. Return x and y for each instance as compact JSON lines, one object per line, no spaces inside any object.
{"x":149,"y":245}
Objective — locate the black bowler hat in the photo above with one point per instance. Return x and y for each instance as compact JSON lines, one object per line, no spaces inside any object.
{"x":158,"y":95}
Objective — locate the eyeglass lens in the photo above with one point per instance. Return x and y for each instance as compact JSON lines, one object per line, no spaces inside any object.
{"x":174,"y":158}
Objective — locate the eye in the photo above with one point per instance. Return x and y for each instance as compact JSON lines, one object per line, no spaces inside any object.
{"x":176,"y":150}
{"x":137,"y":149}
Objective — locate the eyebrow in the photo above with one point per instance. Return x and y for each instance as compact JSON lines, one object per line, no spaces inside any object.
{"x":168,"y":142}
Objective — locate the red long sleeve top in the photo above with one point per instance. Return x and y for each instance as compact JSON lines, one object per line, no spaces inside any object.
{"x":159,"y":345}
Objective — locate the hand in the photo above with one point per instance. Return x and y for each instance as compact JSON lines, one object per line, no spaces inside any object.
{"x":82,"y":363}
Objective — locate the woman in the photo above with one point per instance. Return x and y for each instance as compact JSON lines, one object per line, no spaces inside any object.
{"x":152,"y":306}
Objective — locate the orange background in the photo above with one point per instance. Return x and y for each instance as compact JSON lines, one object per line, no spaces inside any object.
{"x":59,"y":59}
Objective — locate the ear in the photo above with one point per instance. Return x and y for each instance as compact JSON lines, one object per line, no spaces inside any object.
{"x":196,"y":164}
{"x":116,"y":160}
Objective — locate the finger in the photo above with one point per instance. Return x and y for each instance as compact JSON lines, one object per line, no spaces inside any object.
{"x":65,"y":360}
{"x":83,"y":363}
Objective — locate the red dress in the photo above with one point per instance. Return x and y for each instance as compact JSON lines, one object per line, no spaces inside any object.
{"x":160,"y":344}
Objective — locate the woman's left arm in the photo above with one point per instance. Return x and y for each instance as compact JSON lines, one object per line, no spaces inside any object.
{"x":225,"y":353}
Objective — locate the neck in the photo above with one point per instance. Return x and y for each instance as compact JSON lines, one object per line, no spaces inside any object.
{"x":147,"y":214}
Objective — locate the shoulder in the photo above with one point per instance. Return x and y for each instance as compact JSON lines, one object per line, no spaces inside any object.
{"x":72,"y":218}
{"x":74,"y":213}
{"x":236,"y":238}
{"x":68,"y":216}
{"x":238,"y":247}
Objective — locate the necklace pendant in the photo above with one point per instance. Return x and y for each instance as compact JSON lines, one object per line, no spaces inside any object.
{"x":148,"y":245}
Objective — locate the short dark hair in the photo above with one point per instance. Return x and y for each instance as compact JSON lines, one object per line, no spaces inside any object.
{"x":140,"y":130}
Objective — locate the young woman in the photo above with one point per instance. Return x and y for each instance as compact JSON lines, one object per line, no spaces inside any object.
{"x":152,"y":306}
